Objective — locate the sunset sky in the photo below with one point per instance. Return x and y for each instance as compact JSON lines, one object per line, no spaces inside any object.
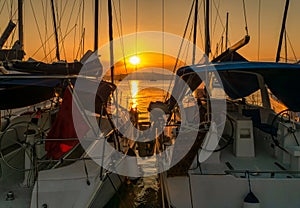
{"x":149,"y":18}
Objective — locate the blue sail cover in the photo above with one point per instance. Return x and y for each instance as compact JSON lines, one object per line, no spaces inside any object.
{"x":21,"y":90}
{"x":17,"y":92}
{"x":240,"y":79}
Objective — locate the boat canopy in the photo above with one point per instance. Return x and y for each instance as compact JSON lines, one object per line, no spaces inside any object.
{"x":239,"y":79}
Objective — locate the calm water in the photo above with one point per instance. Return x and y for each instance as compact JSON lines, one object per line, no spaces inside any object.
{"x":145,"y":192}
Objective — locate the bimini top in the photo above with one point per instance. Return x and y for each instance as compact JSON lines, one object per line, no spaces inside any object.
{"x":239,"y":79}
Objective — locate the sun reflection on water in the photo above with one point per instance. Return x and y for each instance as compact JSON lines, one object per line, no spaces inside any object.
{"x":134,"y":89}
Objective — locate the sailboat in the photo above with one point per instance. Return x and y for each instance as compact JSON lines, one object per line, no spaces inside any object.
{"x":39,"y":67}
{"x":42,"y":162}
{"x":256,"y":162}
{"x":16,"y":52}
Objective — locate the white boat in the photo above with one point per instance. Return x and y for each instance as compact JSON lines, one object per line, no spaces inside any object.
{"x":259,"y":149}
{"x":32,"y":177}
{"x":244,"y":151}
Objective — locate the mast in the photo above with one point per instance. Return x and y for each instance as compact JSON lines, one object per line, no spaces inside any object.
{"x":195,"y":32}
{"x":111,"y":45}
{"x":226,"y":34}
{"x":20,"y":22}
{"x":96,"y":25}
{"x":55,"y":30}
{"x":282,"y":30}
{"x":207,"y":39}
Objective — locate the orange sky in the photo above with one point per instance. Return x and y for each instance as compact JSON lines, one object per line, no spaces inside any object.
{"x":149,"y":18}
{"x":148,"y":60}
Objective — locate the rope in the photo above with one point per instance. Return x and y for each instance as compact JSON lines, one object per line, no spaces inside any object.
{"x":245,"y":17}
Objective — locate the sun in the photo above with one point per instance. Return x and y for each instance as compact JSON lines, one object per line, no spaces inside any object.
{"x":134,"y":60}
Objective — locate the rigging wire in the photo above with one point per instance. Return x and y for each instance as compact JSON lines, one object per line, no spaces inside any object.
{"x":245,"y":17}
{"x":37,"y":25}
{"x":12,"y":38}
{"x":185,"y":51}
{"x":9,"y":9}
{"x":44,"y":43}
{"x":220,"y":43}
{"x":74,"y":40}
{"x":68,"y":24}
{"x":81,"y":45}
{"x":58,"y":19}
{"x":184,"y":34}
{"x":45,"y":14}
{"x":258,"y":29}
{"x":120,"y":30}
{"x":181,"y":45}
{"x":200,"y":29}
{"x":64,"y":37}
{"x":81,"y":35}
{"x":2,"y":7}
{"x":80,"y":31}
{"x":136,"y":27}
{"x":218,"y":17}
{"x":285,"y":46}
{"x":163,"y":32}
{"x":290,"y":43}
{"x":163,"y":40}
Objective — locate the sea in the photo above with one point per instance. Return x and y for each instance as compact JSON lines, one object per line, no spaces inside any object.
{"x":145,"y":191}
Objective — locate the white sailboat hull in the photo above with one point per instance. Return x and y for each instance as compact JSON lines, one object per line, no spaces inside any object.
{"x":70,"y":186}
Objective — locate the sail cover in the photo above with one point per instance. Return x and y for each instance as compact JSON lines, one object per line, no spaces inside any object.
{"x":21,"y":90}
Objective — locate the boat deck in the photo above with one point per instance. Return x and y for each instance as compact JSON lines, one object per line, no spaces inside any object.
{"x":263,"y":165}
{"x":22,"y":194}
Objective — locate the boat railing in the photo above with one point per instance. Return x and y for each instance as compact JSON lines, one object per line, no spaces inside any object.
{"x":255,"y":173}
{"x":67,"y":157}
